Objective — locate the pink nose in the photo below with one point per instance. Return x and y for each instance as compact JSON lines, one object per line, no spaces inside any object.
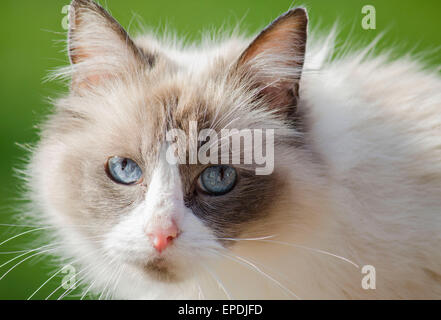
{"x":161,"y":238}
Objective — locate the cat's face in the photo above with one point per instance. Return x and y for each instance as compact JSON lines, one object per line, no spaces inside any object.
{"x":101,"y":167}
{"x":155,"y":195}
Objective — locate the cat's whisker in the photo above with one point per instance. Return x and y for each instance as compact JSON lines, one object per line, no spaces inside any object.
{"x":312,"y":249}
{"x":247,"y":239}
{"x":108,"y":261}
{"x":77,"y":283}
{"x":60,"y":286}
{"x":45,"y":227}
{"x":14,"y":252}
{"x":25,"y":259}
{"x":265,"y":239}
{"x":55,"y":274}
{"x":105,"y":292}
{"x":108,"y":282}
{"x":218,"y":281}
{"x":72,"y":262}
{"x":252,"y":266}
{"x":18,"y":225}
{"x":44,"y":283}
{"x":52,"y":246}
{"x":23,"y":250}
{"x":22,"y":234}
{"x":274,"y":271}
{"x":201,"y":295}
{"x":87,"y":290}
{"x":72,"y":287}
{"x":80,"y":280}
{"x":111,"y":293}
{"x":31,"y":231}
{"x":27,"y":252}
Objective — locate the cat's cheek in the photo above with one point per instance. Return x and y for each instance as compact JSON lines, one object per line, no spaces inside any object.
{"x":126,"y":241}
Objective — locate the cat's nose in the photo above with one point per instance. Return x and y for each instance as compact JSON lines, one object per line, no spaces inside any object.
{"x":161,"y":238}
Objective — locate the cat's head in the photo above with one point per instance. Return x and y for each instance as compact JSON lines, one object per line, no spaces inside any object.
{"x":101,"y":170}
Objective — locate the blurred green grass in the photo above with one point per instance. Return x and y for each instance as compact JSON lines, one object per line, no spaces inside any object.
{"x":31,"y":45}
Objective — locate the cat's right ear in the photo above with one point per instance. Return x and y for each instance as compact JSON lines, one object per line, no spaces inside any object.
{"x":273,"y":62}
{"x":99,"y":48}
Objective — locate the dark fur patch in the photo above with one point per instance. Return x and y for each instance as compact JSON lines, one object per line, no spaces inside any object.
{"x":229,"y":214}
{"x":160,"y":270}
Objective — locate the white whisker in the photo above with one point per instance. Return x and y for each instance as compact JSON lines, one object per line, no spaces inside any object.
{"x":312,"y":249}
{"x":26,"y":252}
{"x":254,"y":267}
{"x":27,"y":258}
{"x":219,"y":282}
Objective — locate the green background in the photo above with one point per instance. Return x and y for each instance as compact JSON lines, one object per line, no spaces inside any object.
{"x":32,"y":44}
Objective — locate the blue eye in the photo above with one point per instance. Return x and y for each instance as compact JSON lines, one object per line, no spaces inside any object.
{"x":123,"y":170}
{"x":217,"y":180}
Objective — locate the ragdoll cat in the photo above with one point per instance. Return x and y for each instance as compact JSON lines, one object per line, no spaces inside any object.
{"x":351,"y":209}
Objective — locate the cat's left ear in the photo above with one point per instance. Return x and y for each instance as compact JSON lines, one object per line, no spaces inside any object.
{"x":273,"y":62}
{"x":99,"y":48}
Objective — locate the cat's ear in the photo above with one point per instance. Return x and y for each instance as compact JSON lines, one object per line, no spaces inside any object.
{"x":99,"y":48}
{"x":273,"y":62}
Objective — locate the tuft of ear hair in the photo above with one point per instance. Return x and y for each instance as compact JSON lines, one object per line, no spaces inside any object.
{"x":273,"y":62}
{"x":99,"y":47}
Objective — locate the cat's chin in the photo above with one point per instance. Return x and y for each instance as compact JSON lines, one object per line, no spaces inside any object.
{"x":162,"y":270}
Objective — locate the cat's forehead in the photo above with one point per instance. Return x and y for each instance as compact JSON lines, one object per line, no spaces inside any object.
{"x":146,"y":111}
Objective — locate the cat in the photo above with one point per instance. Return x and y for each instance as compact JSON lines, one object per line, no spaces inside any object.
{"x":352,"y":209}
